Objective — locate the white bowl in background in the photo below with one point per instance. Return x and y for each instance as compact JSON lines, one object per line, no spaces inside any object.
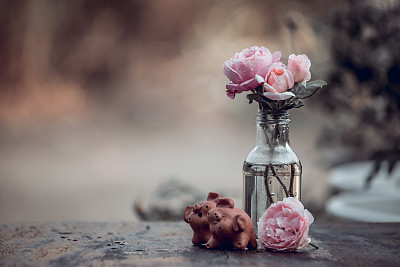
{"x":379,"y":203}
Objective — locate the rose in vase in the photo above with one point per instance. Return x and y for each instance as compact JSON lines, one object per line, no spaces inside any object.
{"x":243,"y":67}
{"x":299,"y":66}
{"x":278,"y":80}
{"x":274,"y":85}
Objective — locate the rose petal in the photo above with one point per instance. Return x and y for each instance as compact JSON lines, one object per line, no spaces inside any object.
{"x":269,"y":88}
{"x":244,"y":68}
{"x":293,"y":203}
{"x":250,"y":84}
{"x":276,"y":57}
{"x":278,"y":96}
{"x":232,"y":89}
{"x":230,"y":94}
{"x":309,"y":216}
{"x":260,"y":79}
{"x":232,"y":74}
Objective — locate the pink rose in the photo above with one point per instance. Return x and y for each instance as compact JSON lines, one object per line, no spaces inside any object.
{"x":285,"y":225}
{"x":299,"y":66}
{"x":278,"y":80}
{"x":244,"y":66}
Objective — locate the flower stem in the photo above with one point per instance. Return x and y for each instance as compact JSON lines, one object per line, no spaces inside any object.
{"x":279,"y":180}
{"x":291,"y":181}
{"x":271,"y":201}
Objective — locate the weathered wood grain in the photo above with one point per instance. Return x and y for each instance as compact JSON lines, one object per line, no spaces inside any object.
{"x":166,"y":243}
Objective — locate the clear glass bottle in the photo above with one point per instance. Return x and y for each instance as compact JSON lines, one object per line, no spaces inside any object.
{"x":271,"y":171}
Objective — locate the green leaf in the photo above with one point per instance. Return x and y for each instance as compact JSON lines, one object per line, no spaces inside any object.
{"x":298,"y":105}
{"x":298,"y":88}
{"x":295,"y":103}
{"x":257,"y":97}
{"x":290,"y":103}
{"x":310,"y":89}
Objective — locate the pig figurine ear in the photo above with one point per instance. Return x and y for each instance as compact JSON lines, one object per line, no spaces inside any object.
{"x":187,"y":212}
{"x":225,"y":202}
{"x":239,"y":223}
{"x":213,"y":196}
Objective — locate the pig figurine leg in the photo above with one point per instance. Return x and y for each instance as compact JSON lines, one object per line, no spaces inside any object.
{"x":241,"y":242}
{"x":252,"y":242}
{"x":244,"y":241}
{"x":212,"y":243}
{"x":197,"y":239}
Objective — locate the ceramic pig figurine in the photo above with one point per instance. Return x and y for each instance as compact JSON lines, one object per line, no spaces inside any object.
{"x":230,"y":227}
{"x":196,"y":217}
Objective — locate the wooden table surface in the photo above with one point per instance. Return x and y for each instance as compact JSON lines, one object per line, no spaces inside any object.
{"x":169,"y":244}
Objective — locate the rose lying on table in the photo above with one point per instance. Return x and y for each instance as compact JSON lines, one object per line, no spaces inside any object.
{"x":285,"y":226}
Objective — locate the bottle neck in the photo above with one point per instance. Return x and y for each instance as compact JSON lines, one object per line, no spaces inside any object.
{"x":272,"y":128}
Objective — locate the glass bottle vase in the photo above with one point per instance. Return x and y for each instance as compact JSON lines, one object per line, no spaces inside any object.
{"x":271,"y":171}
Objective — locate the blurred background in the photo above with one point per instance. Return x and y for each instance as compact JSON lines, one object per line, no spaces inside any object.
{"x":116,"y":110}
